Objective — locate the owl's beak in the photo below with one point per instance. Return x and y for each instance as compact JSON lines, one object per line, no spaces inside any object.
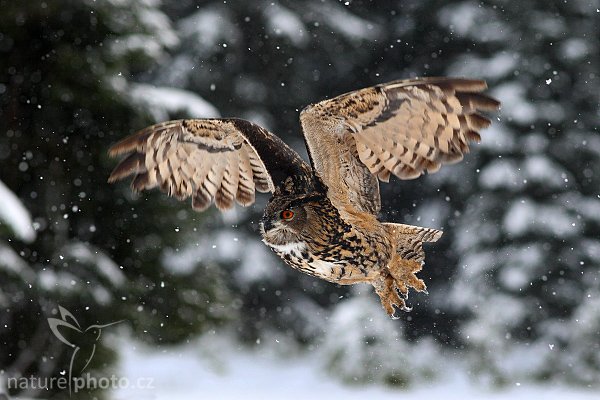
{"x":266,"y":225}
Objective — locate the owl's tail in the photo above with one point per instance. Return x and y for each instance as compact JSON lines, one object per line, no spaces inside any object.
{"x":409,"y":240}
{"x":401,"y":271}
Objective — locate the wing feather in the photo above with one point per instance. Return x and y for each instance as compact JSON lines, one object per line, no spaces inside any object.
{"x":210,"y":160}
{"x":226,"y":194}
{"x":404,"y":128}
{"x":245,"y":193}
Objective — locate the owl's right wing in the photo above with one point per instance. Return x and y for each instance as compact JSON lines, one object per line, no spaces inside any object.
{"x":402,"y":128}
{"x":220,"y":160}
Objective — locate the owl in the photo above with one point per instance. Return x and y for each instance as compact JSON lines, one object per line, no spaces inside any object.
{"x":322,"y":218}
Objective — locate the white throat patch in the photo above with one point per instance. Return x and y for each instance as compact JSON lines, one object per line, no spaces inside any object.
{"x":289,"y":248}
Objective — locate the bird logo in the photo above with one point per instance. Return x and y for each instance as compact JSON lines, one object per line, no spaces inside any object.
{"x":83,"y":341}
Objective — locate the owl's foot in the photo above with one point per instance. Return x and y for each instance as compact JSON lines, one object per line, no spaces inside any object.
{"x":392,"y":286}
{"x":389,"y":293}
{"x":404,"y":272}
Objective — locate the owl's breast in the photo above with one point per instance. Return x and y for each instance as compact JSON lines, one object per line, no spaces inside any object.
{"x":341,"y":262}
{"x":300,"y":257}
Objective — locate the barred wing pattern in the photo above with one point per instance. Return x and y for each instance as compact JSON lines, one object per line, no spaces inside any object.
{"x":220,"y":160}
{"x":403,"y":128}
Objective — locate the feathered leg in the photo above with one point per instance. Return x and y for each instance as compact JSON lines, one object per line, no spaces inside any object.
{"x":406,"y":261}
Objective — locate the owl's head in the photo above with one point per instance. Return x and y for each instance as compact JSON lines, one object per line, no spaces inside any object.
{"x":285,"y":218}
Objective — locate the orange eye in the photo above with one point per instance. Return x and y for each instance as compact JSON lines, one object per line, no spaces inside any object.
{"x":287,"y":215}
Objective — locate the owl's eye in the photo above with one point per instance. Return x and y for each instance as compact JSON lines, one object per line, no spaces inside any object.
{"x":287,"y":215}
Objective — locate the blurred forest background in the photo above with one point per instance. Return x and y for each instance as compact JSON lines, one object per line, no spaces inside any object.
{"x":514,"y":282}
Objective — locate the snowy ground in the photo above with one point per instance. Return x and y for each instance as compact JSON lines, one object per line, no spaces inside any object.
{"x":189,"y":372}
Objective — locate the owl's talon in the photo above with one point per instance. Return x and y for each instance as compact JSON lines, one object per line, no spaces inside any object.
{"x":400,"y":308}
{"x":405,"y":308}
{"x":403,"y":294}
{"x":399,"y":311}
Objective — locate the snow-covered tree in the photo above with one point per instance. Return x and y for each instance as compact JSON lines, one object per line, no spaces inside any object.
{"x":66,"y":92}
{"x":528,"y":234}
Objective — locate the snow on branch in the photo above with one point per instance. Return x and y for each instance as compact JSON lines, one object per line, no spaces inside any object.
{"x":14,"y":214}
{"x":160,"y":102}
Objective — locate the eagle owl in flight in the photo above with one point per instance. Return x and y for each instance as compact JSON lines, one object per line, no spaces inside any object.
{"x":322,"y":218}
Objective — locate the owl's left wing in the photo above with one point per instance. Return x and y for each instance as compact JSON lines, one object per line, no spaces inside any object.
{"x":403,"y":128}
{"x":220,"y":160}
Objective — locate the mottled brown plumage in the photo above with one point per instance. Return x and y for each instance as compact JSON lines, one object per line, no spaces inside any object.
{"x":322,"y":218}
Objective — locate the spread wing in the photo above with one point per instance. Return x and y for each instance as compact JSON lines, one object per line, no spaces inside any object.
{"x":220,"y":160}
{"x":403,"y":128}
